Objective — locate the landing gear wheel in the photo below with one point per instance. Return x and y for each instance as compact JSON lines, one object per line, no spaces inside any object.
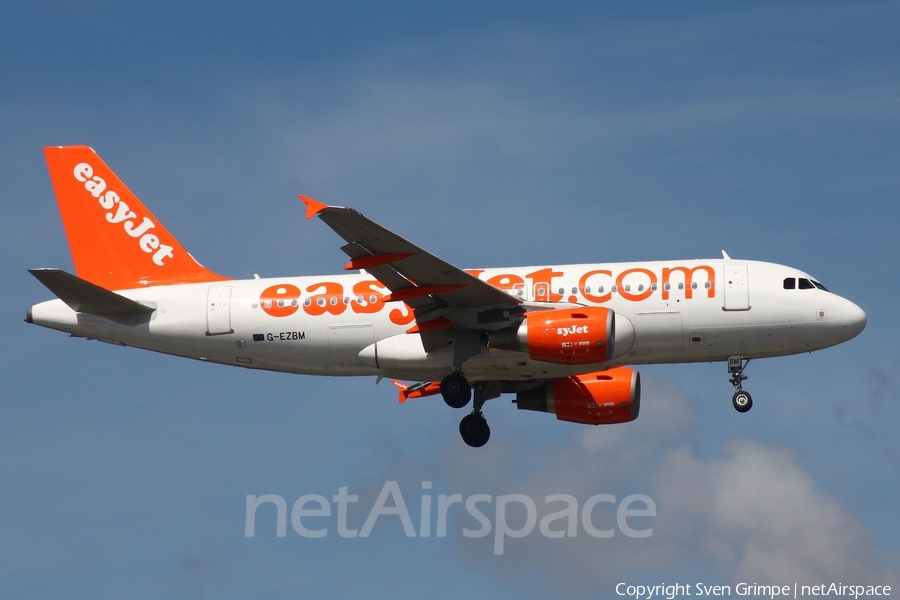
{"x":742,"y":401}
{"x":474,"y":430}
{"x":455,"y":390}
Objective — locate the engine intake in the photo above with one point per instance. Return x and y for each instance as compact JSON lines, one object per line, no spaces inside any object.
{"x":600,"y":398}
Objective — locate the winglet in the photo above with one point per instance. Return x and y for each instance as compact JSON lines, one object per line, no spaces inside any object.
{"x":418,"y":390}
{"x":313,"y":207}
{"x":401,"y":387}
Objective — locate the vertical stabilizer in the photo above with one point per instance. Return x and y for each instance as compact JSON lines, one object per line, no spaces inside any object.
{"x":115,"y":241}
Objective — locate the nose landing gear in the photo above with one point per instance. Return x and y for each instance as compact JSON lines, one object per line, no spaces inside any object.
{"x":741,"y":400}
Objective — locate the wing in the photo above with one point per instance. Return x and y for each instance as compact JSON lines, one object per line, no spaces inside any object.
{"x":441,"y":295}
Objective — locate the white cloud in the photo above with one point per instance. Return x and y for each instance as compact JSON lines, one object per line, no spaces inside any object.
{"x":750,"y":512}
{"x":759,"y":516}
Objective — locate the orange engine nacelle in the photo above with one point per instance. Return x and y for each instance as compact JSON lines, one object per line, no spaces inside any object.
{"x":568,"y":336}
{"x":600,"y":398}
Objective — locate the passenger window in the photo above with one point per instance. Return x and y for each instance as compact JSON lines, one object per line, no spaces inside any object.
{"x":575,"y":290}
{"x":587,"y":290}
{"x":680,"y":286}
{"x":562,"y":291}
{"x":667,"y":287}
{"x":707,"y":285}
{"x":790,"y":283}
{"x":307,"y":302}
{"x":805,"y":284}
{"x":653,"y":286}
{"x":693,"y":285}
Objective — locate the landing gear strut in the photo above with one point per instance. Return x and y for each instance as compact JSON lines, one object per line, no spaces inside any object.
{"x":474,"y":428}
{"x":741,"y":399}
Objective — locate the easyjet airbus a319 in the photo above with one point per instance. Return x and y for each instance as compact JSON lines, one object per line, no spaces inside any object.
{"x":558,"y":337}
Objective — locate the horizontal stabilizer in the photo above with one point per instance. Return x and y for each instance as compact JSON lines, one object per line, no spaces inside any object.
{"x":85,"y":297}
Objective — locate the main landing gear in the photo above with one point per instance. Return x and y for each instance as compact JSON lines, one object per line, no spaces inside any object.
{"x":741,"y":399}
{"x":456,"y":392}
{"x":474,"y":429}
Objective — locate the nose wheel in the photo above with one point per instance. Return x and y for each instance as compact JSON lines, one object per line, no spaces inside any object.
{"x":741,"y":400}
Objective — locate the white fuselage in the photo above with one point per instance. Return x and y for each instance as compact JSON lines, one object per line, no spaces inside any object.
{"x":681,"y":311}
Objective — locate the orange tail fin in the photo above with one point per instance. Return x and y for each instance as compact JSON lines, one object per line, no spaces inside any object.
{"x":115,"y":241}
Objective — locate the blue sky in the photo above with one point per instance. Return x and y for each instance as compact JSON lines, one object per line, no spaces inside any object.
{"x":513,"y":134}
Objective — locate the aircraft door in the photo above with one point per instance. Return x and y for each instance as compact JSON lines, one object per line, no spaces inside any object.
{"x":737,"y":288}
{"x":218,"y":310}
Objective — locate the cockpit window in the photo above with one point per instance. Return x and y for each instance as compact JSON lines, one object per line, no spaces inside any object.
{"x":791,"y":283}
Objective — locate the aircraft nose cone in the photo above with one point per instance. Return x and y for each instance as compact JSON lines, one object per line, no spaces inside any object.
{"x":854,"y":320}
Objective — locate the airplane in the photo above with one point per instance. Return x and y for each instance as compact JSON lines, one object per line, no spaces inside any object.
{"x":563,"y":339}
